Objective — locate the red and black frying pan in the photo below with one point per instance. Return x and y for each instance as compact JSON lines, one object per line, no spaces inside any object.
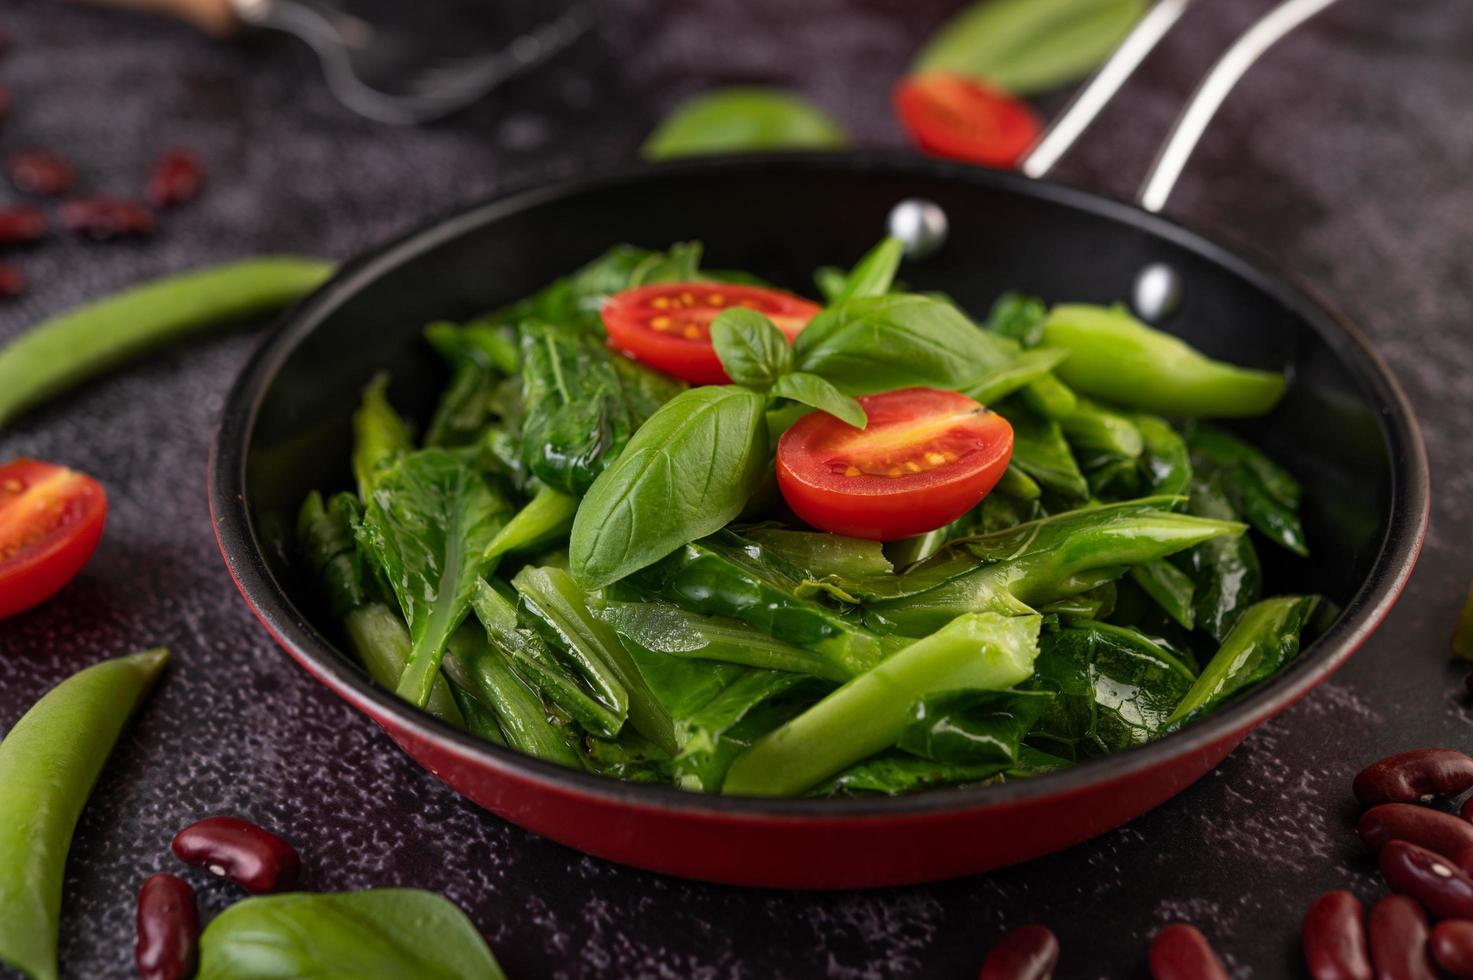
{"x":1344,"y":428}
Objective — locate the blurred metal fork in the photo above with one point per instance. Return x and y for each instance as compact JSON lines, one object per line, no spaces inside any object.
{"x":378,"y":72}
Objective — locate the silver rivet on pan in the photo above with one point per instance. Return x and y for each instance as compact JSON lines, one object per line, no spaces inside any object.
{"x":1157,"y":292}
{"x":920,"y":225}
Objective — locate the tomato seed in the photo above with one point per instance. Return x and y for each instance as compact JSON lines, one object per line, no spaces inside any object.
{"x":1335,"y":939}
{"x":1414,"y":777}
{"x":168,"y":929}
{"x":175,"y":179}
{"x":1025,"y":953}
{"x":230,"y":847}
{"x":40,"y":172}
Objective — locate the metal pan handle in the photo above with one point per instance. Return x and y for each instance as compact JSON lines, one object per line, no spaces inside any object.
{"x":1197,"y":113}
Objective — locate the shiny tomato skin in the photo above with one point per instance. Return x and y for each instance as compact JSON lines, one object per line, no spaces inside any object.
{"x":965,"y":119}
{"x":926,"y":457}
{"x":51,"y":519}
{"x":667,"y":326}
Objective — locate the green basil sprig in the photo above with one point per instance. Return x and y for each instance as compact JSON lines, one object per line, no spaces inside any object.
{"x":387,"y":933}
{"x":756,"y":355}
{"x":686,"y":473}
{"x":753,"y":351}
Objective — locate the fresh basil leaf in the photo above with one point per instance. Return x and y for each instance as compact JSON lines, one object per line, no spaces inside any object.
{"x":687,"y":472}
{"x":811,"y":390}
{"x":753,"y":351}
{"x":387,"y":933}
{"x":427,"y":524}
{"x":1029,"y":46}
{"x":743,"y":120}
{"x":880,"y":343}
{"x":874,"y":274}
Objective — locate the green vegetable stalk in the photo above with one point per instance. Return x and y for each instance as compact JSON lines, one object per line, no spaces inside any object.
{"x":48,"y":764}
{"x":388,"y":934}
{"x":560,"y":612}
{"x":1114,"y":356}
{"x":76,"y":346}
{"x":379,"y":435}
{"x":868,"y":714}
{"x":475,"y":667}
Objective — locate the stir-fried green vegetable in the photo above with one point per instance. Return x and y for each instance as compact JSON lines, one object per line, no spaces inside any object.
{"x":592,"y":564}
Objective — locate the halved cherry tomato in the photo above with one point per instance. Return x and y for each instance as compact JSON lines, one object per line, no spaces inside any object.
{"x":50,"y":522}
{"x":962,"y":118}
{"x":668,"y":326}
{"x":925,"y":459}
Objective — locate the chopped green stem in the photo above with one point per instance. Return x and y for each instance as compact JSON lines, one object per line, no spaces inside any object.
{"x":520,"y":712}
{"x":866,"y":715}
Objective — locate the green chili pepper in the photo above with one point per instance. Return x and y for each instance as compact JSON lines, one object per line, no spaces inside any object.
{"x":976,"y":651}
{"x":48,"y":764}
{"x":71,"y":348}
{"x":1114,"y":356}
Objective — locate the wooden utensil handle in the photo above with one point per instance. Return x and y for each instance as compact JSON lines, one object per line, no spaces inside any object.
{"x":211,"y":16}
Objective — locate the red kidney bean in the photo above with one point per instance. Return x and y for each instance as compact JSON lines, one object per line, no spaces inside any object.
{"x":105,"y":218}
{"x":1399,"y":940}
{"x":1420,"y":825}
{"x":1414,"y":777}
{"x":1466,"y":810}
{"x":40,"y":172}
{"x":175,"y":179}
{"x":230,"y":847}
{"x":1025,"y":953}
{"x":1464,"y":860}
{"x":1335,"y":939}
{"x":1433,"y":880}
{"x":168,"y":929}
{"x":21,"y":226}
{"x":1180,"y":952}
{"x":1452,"y":947}
{"x":12,"y":281}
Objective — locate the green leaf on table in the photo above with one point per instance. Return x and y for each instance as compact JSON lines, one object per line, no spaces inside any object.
{"x":387,"y":933}
{"x":743,"y":120}
{"x":1029,"y":46}
{"x":687,"y":472}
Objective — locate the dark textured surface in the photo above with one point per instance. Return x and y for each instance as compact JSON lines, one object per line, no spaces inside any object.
{"x":1344,"y":155}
